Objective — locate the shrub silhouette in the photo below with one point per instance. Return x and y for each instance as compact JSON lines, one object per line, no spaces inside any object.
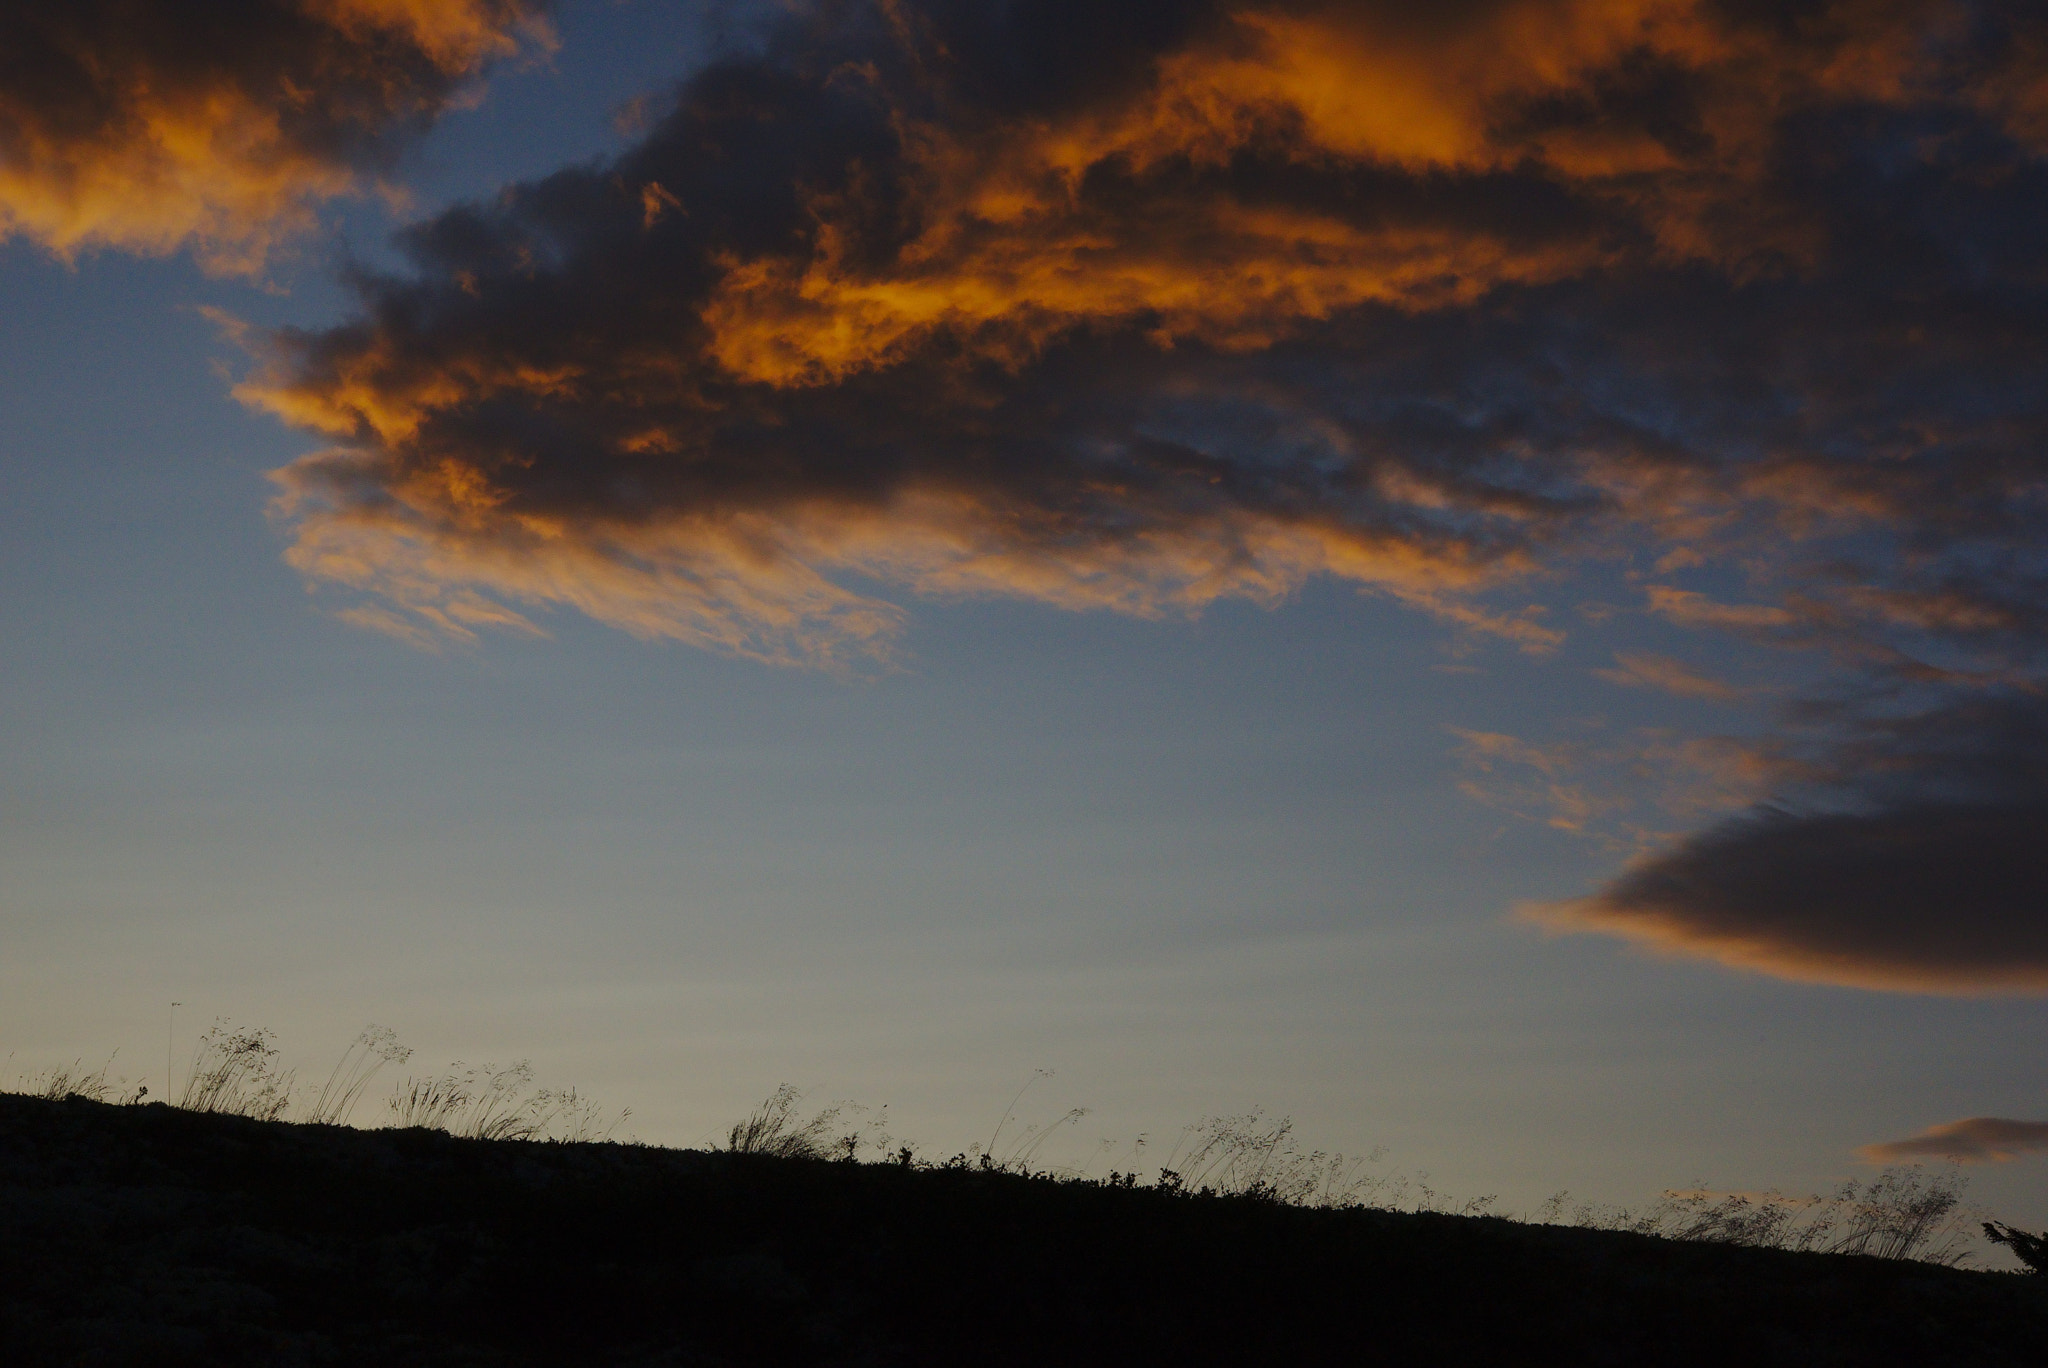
{"x":2031,"y":1249}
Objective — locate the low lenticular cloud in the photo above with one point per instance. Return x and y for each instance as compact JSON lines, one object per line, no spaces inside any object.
{"x":216,"y":125}
{"x":1974,"y":1140}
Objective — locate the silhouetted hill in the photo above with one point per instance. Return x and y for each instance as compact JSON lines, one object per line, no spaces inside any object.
{"x":144,"y":1235}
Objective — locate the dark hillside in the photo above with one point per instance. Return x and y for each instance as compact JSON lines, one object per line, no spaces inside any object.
{"x":143,"y":1235}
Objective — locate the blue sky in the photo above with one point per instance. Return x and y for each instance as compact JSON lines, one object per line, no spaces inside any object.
{"x":1251,"y":850}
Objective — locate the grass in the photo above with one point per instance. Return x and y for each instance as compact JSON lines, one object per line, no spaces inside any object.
{"x":1904,"y":1212}
{"x":75,"y":1080}
{"x":492,"y":1103}
{"x":365,"y":1058}
{"x":773,"y":1128}
{"x":1255,"y":1156}
{"x":235,"y":1072}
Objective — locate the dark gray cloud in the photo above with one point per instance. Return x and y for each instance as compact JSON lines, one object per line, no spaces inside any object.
{"x":1948,"y":897}
{"x":1906,"y":856}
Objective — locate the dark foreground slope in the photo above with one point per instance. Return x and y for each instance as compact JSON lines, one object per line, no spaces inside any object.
{"x":132,"y":1235}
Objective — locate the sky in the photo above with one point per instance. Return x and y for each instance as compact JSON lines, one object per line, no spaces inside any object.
{"x":1471,"y":578}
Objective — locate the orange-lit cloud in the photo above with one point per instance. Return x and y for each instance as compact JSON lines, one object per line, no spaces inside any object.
{"x":449,"y":558}
{"x":1658,"y":117}
{"x":1624,"y":790}
{"x":1973,"y":1140}
{"x":1543,"y":783}
{"x":1689,"y":608}
{"x":895,"y":303}
{"x":219,"y":127}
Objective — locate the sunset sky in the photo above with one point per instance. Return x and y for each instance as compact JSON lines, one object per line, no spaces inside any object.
{"x":1475,"y":575}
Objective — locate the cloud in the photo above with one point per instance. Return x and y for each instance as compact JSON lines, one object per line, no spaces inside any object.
{"x":1689,"y":608}
{"x":1898,"y":851}
{"x":1626,"y":789}
{"x":1271,"y":165}
{"x":1140,"y":308}
{"x":1137,"y":308}
{"x":217,"y":125}
{"x":1496,"y":763}
{"x":1934,"y":898}
{"x":1973,"y":1140}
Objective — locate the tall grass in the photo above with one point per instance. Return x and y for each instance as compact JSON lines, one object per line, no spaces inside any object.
{"x":774,"y":1128}
{"x":234,"y":1072}
{"x":1252,"y":1155}
{"x":75,"y":1080}
{"x":362,"y":1061}
{"x":490,"y":1103}
{"x":1901,"y":1213}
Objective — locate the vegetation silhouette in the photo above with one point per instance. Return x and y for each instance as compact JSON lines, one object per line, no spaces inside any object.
{"x":217,"y":1233}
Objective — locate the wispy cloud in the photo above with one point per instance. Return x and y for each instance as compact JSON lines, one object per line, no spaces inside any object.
{"x":1537,"y":782}
{"x":1624,"y":789}
{"x":1689,"y":608}
{"x":1639,"y":669}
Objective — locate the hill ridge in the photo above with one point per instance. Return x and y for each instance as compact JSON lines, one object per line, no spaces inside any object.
{"x":148,"y":1235}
